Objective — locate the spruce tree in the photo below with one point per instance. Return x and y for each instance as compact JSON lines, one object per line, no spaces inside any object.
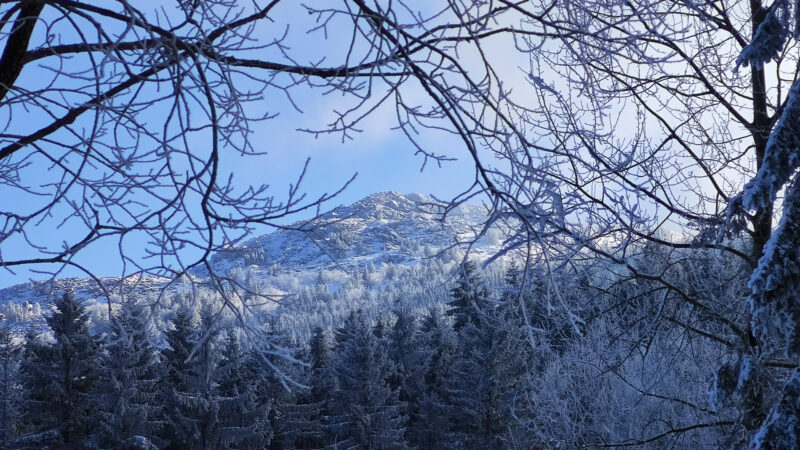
{"x":60,"y":401}
{"x":306,"y":418}
{"x":181,"y":429}
{"x":469,"y":377}
{"x":263,"y":392}
{"x":408,"y":361}
{"x":323,"y":383}
{"x":468,"y":386}
{"x":367,"y":412}
{"x":205,"y":399}
{"x":193,"y":400}
{"x":40,"y":387}
{"x":432,"y":426}
{"x":323,"y":377}
{"x":491,"y":360}
{"x":243,"y":416}
{"x":132,"y":416}
{"x":468,"y":296}
{"x":10,"y":393}
{"x":79,"y":357}
{"x":506,"y":365}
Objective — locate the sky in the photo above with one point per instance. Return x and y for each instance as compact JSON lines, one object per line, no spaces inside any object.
{"x":381,"y":157}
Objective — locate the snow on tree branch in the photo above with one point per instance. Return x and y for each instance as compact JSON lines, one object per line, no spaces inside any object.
{"x":775,"y":283}
{"x":770,"y":37}
{"x":781,"y":158}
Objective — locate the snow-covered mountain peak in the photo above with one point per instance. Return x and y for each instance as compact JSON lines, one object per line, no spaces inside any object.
{"x":383,"y":227}
{"x":390,"y":206}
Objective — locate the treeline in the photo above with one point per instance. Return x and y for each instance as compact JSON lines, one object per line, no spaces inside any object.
{"x":68,"y":388}
{"x":575,"y":357}
{"x":447,"y":378}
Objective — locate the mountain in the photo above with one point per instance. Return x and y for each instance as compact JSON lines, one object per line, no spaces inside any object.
{"x":385,"y":229}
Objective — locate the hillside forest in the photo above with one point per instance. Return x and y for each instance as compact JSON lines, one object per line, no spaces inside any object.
{"x":445,"y":354}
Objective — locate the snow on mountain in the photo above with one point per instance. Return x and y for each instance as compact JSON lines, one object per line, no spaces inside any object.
{"x":386,"y":227}
{"x":383,"y":228}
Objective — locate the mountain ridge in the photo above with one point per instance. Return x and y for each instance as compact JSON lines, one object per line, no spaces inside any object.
{"x":382,"y":228}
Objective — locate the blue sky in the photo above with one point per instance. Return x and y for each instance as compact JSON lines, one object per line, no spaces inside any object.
{"x":382,"y":157}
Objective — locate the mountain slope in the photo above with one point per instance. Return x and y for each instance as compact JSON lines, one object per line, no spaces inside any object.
{"x":386,"y":228}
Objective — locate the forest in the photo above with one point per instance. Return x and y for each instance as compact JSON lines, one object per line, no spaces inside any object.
{"x":637,"y":163}
{"x":487,"y":363}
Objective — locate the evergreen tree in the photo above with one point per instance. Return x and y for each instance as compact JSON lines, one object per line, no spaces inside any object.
{"x":192,"y":391}
{"x":132,"y":417}
{"x":279,"y":374}
{"x":205,"y":399}
{"x":78,"y":365}
{"x":60,"y":379}
{"x":179,"y":386}
{"x":367,"y":411}
{"x":307,"y":417}
{"x":408,"y":361}
{"x":243,"y":416}
{"x":323,"y":377}
{"x":297,"y":420}
{"x":10,"y":393}
{"x":491,"y":360}
{"x":257,"y":377}
{"x":506,"y":366}
{"x":403,"y":351}
{"x":40,"y":387}
{"x":468,"y":296}
{"x":468,"y":386}
{"x":468,"y":378}
{"x":432,"y":426}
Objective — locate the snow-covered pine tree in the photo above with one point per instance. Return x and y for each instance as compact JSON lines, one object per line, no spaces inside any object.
{"x":243,"y":416}
{"x":258,"y":374}
{"x":469,"y":378}
{"x":507,"y":366}
{"x":10,"y":394}
{"x":192,"y":399}
{"x":132,"y":415}
{"x":39,"y":426}
{"x":323,"y":377}
{"x":60,"y":400}
{"x":279,"y":384}
{"x":408,"y":358}
{"x":489,"y":364}
{"x":205,"y":399}
{"x":431,"y":428}
{"x":468,"y":385}
{"x":76,"y":367}
{"x":367,"y":411}
{"x":323,"y":382}
{"x":296,"y":419}
{"x":306,"y":418}
{"x":468,"y":295}
{"x":181,"y":430}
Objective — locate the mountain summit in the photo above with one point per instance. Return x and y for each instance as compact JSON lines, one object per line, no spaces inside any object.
{"x":385,"y":227}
